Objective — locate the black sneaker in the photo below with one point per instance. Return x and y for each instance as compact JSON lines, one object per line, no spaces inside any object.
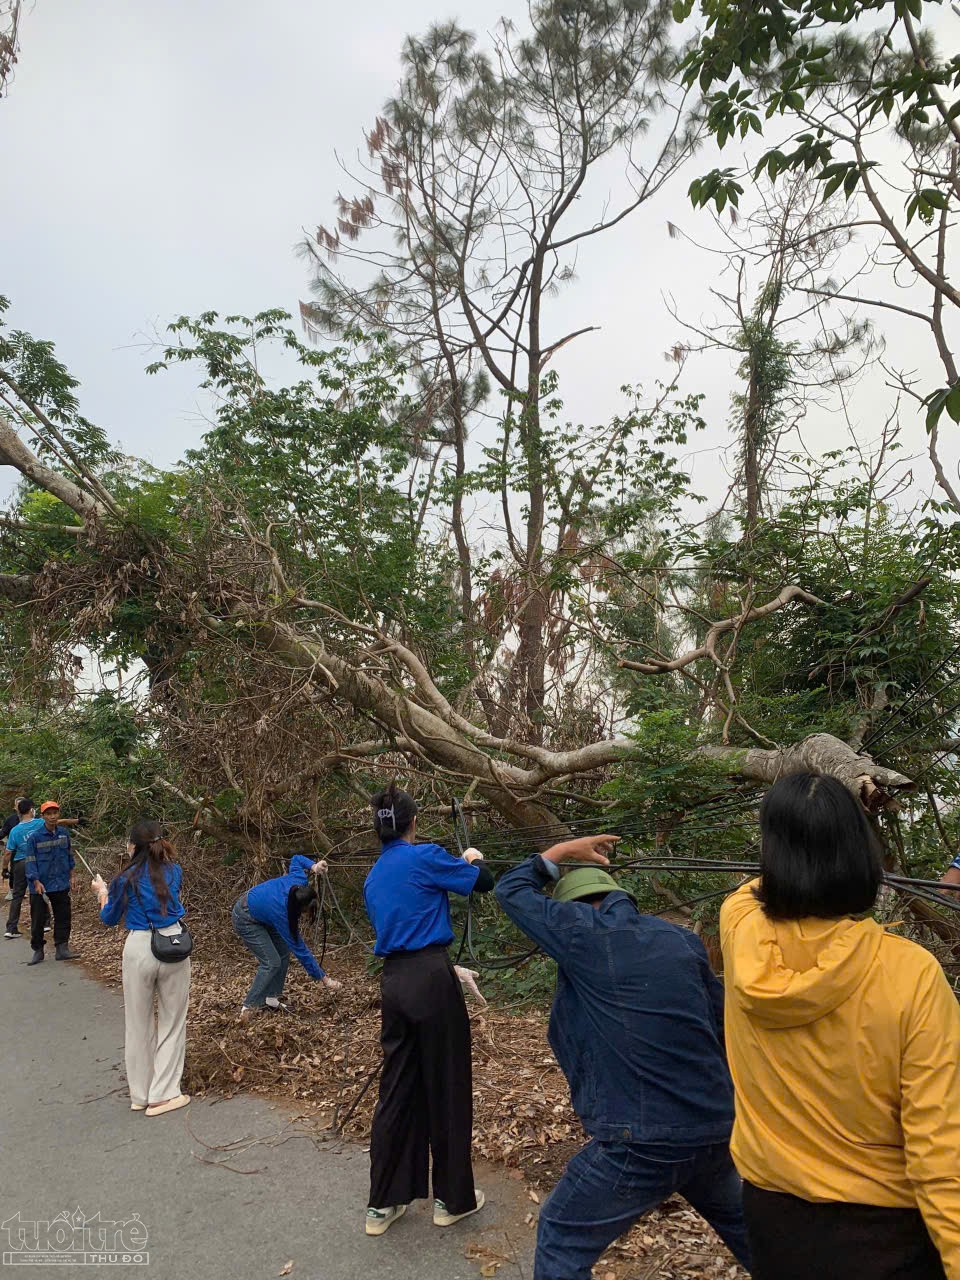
{"x":13,"y":933}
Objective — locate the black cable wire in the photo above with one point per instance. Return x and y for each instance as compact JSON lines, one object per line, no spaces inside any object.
{"x":934,"y":896}
{"x":692,"y":902}
{"x":924,"y":728}
{"x":935,"y":762}
{"x":640,"y":828}
{"x":615,"y":823}
{"x":883,"y":729}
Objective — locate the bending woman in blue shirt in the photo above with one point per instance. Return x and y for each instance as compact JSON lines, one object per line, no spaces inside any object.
{"x":145,"y":894}
{"x":426,"y":1089}
{"x":266,"y":919}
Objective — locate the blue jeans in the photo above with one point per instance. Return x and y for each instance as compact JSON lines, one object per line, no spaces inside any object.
{"x":269,"y":948}
{"x":607,"y":1186}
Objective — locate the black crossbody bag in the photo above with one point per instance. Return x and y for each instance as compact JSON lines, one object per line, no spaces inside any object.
{"x":171,"y":948}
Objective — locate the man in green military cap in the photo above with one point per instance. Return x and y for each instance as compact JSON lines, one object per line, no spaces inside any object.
{"x":637,"y":1028}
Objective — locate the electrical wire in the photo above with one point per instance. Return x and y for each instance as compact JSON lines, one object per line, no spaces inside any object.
{"x":638,"y":824}
{"x":924,"y":728}
{"x":903,"y":708}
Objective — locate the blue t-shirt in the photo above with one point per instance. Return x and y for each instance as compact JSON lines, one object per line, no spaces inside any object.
{"x":18,"y":836}
{"x":406,"y":895}
{"x":267,"y":904}
{"x":146,"y":911}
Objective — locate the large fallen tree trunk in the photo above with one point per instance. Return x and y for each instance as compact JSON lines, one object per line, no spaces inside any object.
{"x":874,"y":785}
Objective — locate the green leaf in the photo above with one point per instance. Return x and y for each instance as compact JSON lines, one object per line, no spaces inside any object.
{"x":935,"y":405}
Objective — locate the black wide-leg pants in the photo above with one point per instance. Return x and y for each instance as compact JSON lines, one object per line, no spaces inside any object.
{"x":426,"y":1089}
{"x":793,"y":1239}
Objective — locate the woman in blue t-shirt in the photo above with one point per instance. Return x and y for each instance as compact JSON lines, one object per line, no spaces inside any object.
{"x":426,"y":1089}
{"x":147,"y":894}
{"x":266,"y":919}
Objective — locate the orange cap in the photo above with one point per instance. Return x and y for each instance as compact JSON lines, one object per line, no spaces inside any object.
{"x":48,"y":805}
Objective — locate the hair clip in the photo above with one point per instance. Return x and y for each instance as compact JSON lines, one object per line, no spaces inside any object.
{"x":387,"y":813}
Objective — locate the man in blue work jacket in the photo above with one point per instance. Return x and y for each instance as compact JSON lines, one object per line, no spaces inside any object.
{"x":637,"y":1028}
{"x":50,"y":863}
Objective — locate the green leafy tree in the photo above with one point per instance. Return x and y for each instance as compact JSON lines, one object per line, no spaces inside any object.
{"x":488,"y":174}
{"x":869,"y":115}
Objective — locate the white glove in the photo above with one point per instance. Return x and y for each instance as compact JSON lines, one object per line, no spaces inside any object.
{"x":468,"y":980}
{"x":319,"y":868}
{"x":472,"y":855}
{"x":332,"y":984}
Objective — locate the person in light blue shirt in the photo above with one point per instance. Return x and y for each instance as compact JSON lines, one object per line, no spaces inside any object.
{"x":146,"y":896}
{"x":266,"y":919}
{"x":16,"y":851}
{"x":17,"y":838}
{"x":426,"y":1094}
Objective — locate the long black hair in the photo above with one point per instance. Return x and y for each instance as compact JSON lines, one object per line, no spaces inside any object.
{"x":819,"y":855}
{"x":300,"y":899}
{"x":393,"y":813}
{"x":152,"y":853}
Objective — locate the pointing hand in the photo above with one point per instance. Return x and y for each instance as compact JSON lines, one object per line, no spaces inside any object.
{"x":585,"y":849}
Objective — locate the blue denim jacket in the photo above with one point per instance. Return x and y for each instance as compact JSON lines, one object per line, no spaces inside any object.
{"x":637,"y":1019}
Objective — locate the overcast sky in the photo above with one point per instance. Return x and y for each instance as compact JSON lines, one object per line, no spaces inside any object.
{"x":164,"y":158}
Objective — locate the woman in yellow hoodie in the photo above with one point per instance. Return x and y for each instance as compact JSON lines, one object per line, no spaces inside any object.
{"x":844,"y":1045}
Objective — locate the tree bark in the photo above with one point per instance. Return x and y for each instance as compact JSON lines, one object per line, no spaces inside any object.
{"x":875,"y":786}
{"x":14,"y":453}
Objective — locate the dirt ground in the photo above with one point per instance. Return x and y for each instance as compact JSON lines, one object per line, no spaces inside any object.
{"x":323,"y":1055}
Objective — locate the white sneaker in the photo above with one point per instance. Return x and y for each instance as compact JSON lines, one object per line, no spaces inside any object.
{"x":378,"y":1220}
{"x":443,"y":1218}
{"x":13,"y":933}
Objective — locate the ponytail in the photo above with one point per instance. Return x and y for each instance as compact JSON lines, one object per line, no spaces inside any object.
{"x":393,"y":813}
{"x":151,"y":850}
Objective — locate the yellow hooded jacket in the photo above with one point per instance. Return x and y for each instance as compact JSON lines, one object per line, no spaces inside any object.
{"x":844,"y":1046}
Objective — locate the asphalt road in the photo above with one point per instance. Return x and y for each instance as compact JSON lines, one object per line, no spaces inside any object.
{"x":70,"y":1142}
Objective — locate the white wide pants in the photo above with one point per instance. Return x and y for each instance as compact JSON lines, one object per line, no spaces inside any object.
{"x":154,"y":1047}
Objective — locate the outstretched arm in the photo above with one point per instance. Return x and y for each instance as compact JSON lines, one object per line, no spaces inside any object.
{"x":484,"y":882}
{"x":307,"y":959}
{"x":521,"y":891}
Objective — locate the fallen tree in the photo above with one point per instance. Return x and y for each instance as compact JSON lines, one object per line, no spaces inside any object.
{"x":228,"y":593}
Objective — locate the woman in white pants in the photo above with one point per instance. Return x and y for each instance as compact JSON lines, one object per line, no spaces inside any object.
{"x":145,"y":894}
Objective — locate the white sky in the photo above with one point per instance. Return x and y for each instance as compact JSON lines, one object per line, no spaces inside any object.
{"x":163,"y":158}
